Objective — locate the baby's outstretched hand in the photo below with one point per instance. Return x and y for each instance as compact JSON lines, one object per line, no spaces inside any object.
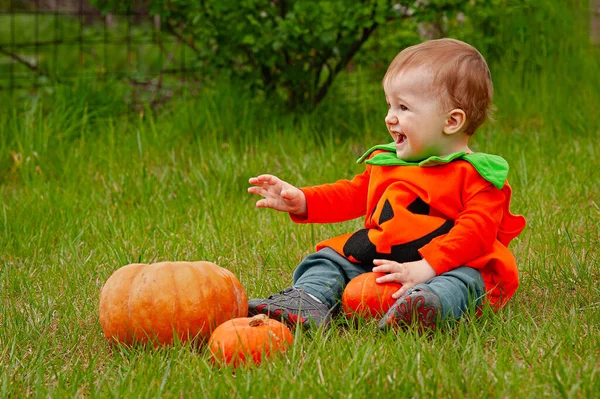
{"x":408,"y":274}
{"x":278,"y":195}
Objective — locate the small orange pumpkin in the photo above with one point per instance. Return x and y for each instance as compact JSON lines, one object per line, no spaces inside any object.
{"x":156,"y":302}
{"x":365,"y":297}
{"x":238,"y":341}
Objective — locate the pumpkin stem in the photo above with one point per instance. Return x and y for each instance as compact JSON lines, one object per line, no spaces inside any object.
{"x":258,"y":320}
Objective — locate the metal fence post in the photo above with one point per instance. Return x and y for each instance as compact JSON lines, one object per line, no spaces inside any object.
{"x":595,"y":21}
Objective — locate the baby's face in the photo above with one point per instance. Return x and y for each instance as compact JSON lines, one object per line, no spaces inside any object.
{"x":415,"y":117}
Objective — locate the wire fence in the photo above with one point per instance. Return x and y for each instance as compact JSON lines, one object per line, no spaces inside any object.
{"x":43,"y":43}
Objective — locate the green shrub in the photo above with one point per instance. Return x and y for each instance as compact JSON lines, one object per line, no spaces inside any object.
{"x":291,"y":49}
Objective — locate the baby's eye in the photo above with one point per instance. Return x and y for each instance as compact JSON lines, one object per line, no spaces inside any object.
{"x":403,"y":107}
{"x":388,"y":105}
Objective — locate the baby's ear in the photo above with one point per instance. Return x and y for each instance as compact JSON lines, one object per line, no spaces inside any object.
{"x":455,"y":121}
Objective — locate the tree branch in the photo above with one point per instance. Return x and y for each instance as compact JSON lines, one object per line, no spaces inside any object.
{"x":282,"y":8}
{"x":346,"y":58}
{"x":178,"y":35}
{"x":23,"y":61}
{"x":282,"y":14}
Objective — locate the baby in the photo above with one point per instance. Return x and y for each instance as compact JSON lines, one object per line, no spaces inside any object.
{"x":437,"y":216}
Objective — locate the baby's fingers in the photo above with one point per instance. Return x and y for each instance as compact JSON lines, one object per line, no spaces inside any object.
{"x":264,"y":179}
{"x":256,"y":181}
{"x":390,"y":278}
{"x":257,"y":190}
{"x":400,"y":292}
{"x":386,"y":266}
{"x":383,"y":269}
{"x":263,"y":203}
{"x":382,"y":261}
{"x":286,"y":195}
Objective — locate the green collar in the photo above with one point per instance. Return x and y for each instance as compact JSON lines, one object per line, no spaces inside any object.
{"x":491,"y":167}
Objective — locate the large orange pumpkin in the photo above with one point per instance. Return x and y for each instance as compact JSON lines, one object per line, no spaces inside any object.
{"x":365,"y":297}
{"x":239,"y":341}
{"x":156,"y":302}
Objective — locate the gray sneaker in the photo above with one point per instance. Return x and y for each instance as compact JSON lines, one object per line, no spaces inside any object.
{"x":420,"y":307}
{"x":292,"y":306}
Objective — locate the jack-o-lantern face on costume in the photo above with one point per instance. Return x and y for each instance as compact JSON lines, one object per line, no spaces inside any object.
{"x":414,"y":222}
{"x":400,"y":218}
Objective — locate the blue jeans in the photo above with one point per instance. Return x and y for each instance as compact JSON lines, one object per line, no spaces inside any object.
{"x":325,"y":273}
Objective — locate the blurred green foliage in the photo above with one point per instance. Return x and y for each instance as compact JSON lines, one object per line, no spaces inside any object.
{"x":289,"y":52}
{"x":289,"y":48}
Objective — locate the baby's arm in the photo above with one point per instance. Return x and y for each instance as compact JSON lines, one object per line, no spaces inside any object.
{"x":278,"y":195}
{"x":329,"y":203}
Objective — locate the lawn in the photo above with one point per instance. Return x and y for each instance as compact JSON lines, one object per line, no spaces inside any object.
{"x":87,"y":188}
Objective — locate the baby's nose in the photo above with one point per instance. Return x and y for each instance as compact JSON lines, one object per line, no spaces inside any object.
{"x":391,"y":119}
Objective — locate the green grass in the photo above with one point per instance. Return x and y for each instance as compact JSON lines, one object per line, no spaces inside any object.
{"x":86,"y":189}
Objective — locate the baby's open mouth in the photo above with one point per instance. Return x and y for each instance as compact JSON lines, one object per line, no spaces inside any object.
{"x":399,"y":138}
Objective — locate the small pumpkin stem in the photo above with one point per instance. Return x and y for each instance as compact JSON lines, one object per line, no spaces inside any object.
{"x":258,"y":320}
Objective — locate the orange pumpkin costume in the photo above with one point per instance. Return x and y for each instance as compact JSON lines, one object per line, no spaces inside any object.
{"x":451,"y":211}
